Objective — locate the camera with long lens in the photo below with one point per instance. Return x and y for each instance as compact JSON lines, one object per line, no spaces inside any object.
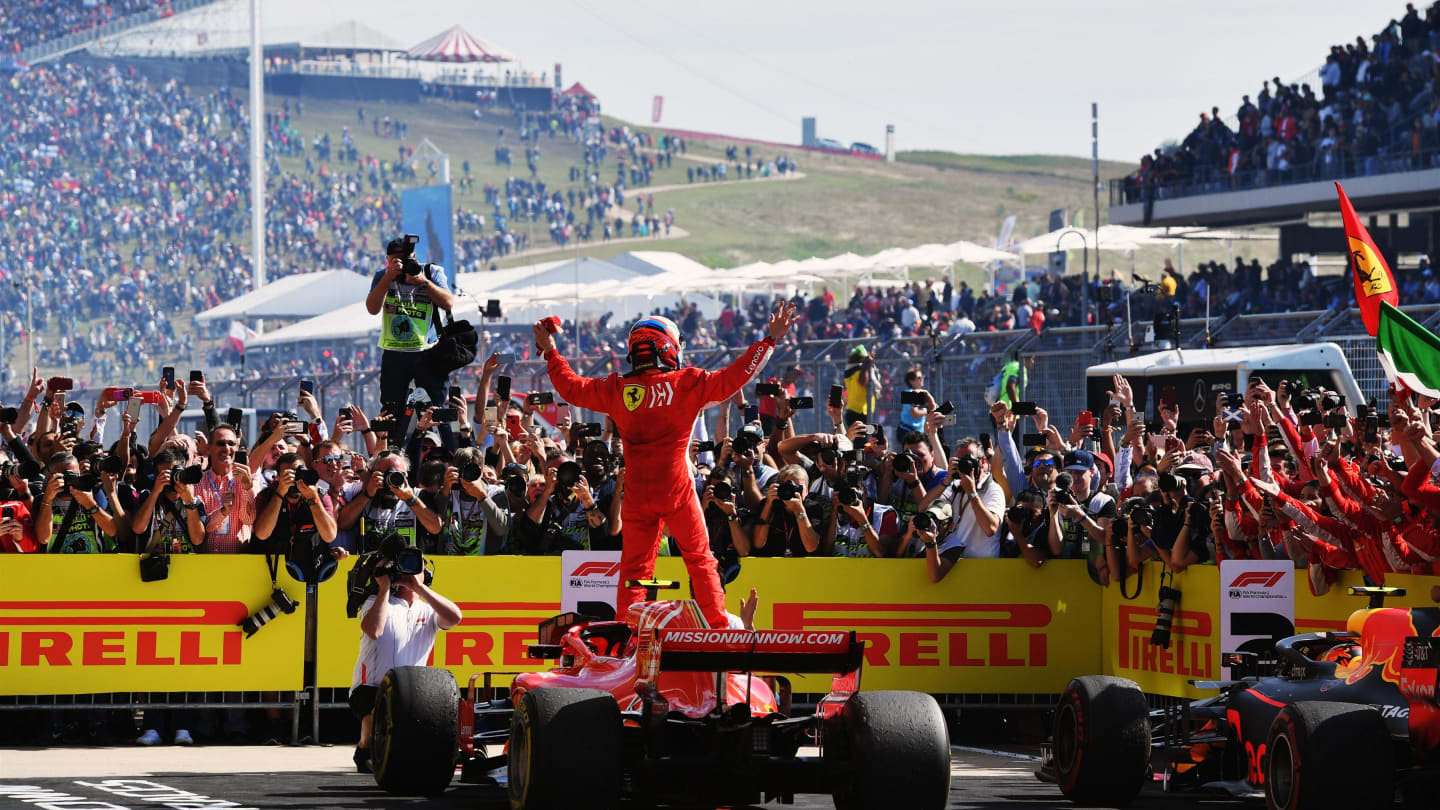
{"x":903,"y":462}
{"x":746,"y":441}
{"x":848,"y":491}
{"x":82,"y":482}
{"x":1165,"y":616}
{"x":932,"y":517}
{"x":280,"y":603}
{"x":515,"y":478}
{"x":567,"y":475}
{"x":722,"y":491}
{"x":1063,"y":495}
{"x":967,"y":465}
{"x":395,"y":479}
{"x":188,"y":475}
{"x":471,"y":472}
{"x":308,"y":476}
{"x":394,"y":558}
{"x":112,"y":465}
{"x":787,"y":490}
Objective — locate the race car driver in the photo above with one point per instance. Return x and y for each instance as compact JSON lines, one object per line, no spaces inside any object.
{"x":654,"y":408}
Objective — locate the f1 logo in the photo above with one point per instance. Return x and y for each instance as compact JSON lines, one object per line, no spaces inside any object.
{"x":1260,"y":579}
{"x":596,"y":568}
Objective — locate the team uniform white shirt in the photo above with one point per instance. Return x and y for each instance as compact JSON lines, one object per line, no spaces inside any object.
{"x":405,"y":641}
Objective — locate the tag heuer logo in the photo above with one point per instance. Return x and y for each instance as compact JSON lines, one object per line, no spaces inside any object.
{"x":633,"y":396}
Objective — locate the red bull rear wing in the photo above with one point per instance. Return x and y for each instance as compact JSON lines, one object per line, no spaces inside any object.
{"x":801,"y":651}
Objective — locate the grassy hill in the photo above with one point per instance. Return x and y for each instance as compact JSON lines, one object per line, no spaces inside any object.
{"x":841,"y":203}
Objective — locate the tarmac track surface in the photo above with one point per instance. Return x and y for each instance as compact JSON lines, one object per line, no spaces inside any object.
{"x":323,"y":777}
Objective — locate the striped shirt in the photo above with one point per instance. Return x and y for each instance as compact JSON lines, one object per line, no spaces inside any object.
{"x":225,"y":533}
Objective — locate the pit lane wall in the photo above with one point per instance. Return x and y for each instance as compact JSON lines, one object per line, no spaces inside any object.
{"x":86,"y":624}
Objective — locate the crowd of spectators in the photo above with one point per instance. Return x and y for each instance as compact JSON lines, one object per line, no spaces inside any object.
{"x":124,"y":205}
{"x":1378,"y":109}
{"x":27,"y":23}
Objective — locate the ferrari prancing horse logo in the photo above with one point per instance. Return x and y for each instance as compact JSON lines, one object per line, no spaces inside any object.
{"x":656,"y":396}
{"x":633,"y":396}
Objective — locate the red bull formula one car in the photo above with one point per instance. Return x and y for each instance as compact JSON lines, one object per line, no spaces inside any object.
{"x":661,"y":709}
{"x":1342,"y":719}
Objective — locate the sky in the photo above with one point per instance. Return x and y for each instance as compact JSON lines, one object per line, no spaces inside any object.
{"x":1012,"y":77}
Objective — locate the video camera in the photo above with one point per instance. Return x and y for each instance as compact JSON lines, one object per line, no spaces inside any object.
{"x":393,"y":558}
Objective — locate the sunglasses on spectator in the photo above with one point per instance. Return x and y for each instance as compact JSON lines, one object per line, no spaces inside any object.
{"x":332,"y":459}
{"x":1044,"y":462}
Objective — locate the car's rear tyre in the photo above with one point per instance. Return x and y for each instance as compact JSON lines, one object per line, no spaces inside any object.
{"x":563,"y":741}
{"x":1318,"y":754}
{"x":897,"y":753}
{"x":417,"y":727}
{"x":1102,"y":740}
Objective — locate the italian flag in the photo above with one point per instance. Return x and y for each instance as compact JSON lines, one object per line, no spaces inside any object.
{"x":1409,"y":352}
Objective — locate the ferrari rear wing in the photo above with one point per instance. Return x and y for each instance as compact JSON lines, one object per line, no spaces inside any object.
{"x":799,"y":651}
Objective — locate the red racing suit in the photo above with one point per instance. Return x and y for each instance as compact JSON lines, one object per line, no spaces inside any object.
{"x":654,"y":412}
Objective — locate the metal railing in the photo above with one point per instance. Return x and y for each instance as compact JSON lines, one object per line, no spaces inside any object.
{"x":52,"y":48}
{"x":959,"y":369}
{"x":1216,"y":180}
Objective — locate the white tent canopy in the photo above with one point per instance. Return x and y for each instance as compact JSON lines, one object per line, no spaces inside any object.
{"x":1112,"y":237}
{"x":297,"y":296}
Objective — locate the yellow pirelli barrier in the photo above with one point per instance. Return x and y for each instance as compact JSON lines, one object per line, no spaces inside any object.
{"x":84,"y":624}
{"x":78,"y":624}
{"x":1195,"y":644}
{"x":990,"y":626}
{"x":1194,"y":652}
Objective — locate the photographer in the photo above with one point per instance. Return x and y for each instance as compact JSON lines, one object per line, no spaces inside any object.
{"x":1080,"y":522}
{"x":785,"y":527}
{"x":1182,"y":523}
{"x":408,"y":296}
{"x":557,"y":519}
{"x":383,"y":502}
{"x":856,"y":525}
{"x":68,"y":519}
{"x":398,"y":631}
{"x":909,"y":480}
{"x":474,"y":524}
{"x":169,"y":517}
{"x":293,"y":519}
{"x":977,"y":503}
{"x":724,"y":520}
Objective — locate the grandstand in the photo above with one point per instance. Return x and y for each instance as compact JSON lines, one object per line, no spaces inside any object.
{"x":1371,"y":124}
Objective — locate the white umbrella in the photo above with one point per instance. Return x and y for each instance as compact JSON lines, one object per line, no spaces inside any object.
{"x":971,"y":253}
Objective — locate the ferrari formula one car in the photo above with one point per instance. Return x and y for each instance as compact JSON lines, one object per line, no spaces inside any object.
{"x":1338,"y":719}
{"x":661,"y":709}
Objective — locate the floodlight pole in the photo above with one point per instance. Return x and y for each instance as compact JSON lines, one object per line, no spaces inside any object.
{"x":257,"y":148}
{"x":1095,"y":176}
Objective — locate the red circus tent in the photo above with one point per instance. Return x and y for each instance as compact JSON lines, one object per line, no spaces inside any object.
{"x":458,"y":45}
{"x":578,"y":89}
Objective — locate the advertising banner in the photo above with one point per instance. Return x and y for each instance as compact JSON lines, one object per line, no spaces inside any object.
{"x":425,"y":212}
{"x":990,"y":626}
{"x":589,"y":581}
{"x":1128,"y":628}
{"x":85,"y":623}
{"x":1257,"y":606}
{"x":502,"y":600}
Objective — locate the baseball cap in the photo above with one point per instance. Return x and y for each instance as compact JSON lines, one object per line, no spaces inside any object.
{"x":860,"y":351}
{"x":1079,"y":460}
{"x":432,"y":435}
{"x":1196,"y":463}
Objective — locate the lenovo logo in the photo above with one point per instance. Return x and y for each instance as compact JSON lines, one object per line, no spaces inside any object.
{"x":1258,"y":579}
{"x":596,"y":568}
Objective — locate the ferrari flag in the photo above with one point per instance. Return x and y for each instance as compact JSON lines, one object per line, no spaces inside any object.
{"x":1409,"y":352}
{"x":1374,"y":282}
